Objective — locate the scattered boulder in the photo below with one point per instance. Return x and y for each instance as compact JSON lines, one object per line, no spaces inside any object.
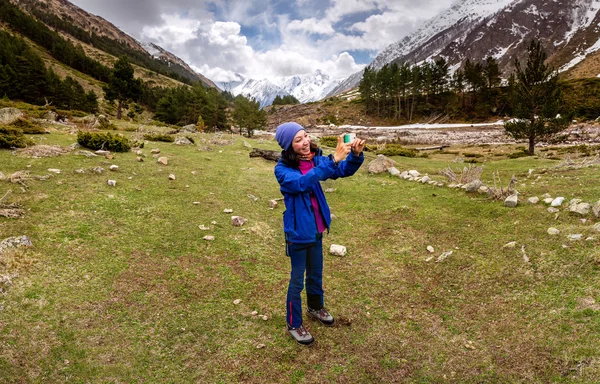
{"x":473,"y":186}
{"x":237,"y":221}
{"x":155,"y":151}
{"x":443,"y":256}
{"x":10,"y":115}
{"x":596,"y":227}
{"x":50,"y":116}
{"x":553,"y":210}
{"x":337,"y":250}
{"x":139,"y":159}
{"x":582,"y":209}
{"x":576,"y":237}
{"x":54,"y":170}
{"x":380,"y":164}
{"x":189,"y":128}
{"x":425,"y":179}
{"x":228,"y":210}
{"x":86,"y":153}
{"x":553,"y":231}
{"x":511,"y":201}
{"x":557,"y":202}
{"x":114,"y":168}
{"x":273,"y":204}
{"x":15,"y":242}
{"x":596,"y":208}
{"x":393,"y":171}
{"x":209,"y":238}
{"x":183,"y":141}
{"x":171,"y":177}
{"x":112,"y":183}
{"x":533,"y":200}
{"x":163,"y":160}
{"x":98,"y":170}
{"x":89,"y":120}
{"x":430,"y":249}
{"x":548,"y":200}
{"x":414,"y":173}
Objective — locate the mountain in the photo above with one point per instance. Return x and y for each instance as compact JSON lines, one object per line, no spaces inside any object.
{"x":76,"y":23}
{"x":476,"y":29}
{"x":305,"y":88}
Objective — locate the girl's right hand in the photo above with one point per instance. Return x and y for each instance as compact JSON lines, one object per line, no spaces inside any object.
{"x":342,"y":150}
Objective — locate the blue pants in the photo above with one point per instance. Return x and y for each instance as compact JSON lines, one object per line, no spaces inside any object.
{"x":304,"y":258}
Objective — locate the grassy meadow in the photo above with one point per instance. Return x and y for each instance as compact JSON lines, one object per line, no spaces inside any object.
{"x":121,"y":287}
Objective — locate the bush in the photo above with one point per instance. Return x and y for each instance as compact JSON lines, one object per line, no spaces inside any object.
{"x":106,"y":141}
{"x":159,"y":137}
{"x":467,"y":154}
{"x":397,"y":150}
{"x":329,"y":141}
{"x":28,"y":127}
{"x":11,"y":137}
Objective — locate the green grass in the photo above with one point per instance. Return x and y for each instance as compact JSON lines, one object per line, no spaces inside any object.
{"x":121,"y":287}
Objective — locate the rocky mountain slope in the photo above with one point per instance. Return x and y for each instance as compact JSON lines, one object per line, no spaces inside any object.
{"x":97,"y":25}
{"x":476,"y":29}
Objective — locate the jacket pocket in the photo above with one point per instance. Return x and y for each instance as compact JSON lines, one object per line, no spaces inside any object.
{"x":289,"y":222}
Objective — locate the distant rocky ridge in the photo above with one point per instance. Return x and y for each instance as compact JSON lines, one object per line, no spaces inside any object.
{"x":502,"y":29}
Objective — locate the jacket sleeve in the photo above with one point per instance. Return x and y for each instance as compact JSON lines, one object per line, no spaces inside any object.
{"x":292,"y":181}
{"x":349,"y":166}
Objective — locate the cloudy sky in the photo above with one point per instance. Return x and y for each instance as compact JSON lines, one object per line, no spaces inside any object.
{"x":267,"y":38}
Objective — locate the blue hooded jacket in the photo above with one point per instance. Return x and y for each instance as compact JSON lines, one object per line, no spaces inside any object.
{"x":299,"y":222}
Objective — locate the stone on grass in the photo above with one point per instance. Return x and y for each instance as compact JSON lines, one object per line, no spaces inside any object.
{"x":473,"y":186}
{"x":203,"y":228}
{"x":15,"y":242}
{"x":443,"y":256}
{"x":582,"y":209}
{"x":171,"y":177}
{"x":228,"y":210}
{"x":112,"y":183}
{"x":10,"y":115}
{"x":512,"y":244}
{"x":337,"y":250}
{"x":237,"y":301}
{"x":430,"y":249}
{"x":393,"y":171}
{"x":577,"y":236}
{"x":511,"y":201}
{"x":553,"y":231}
{"x":163,"y":160}
{"x":237,"y":221}
{"x":533,"y":200}
{"x":182,"y":141}
{"x":252,"y":197}
{"x":209,"y":238}
{"x":80,"y":171}
{"x":557,"y":202}
{"x":139,"y":159}
{"x":155,"y":151}
{"x":425,"y":179}
{"x":114,"y":168}
{"x":414,"y":173}
{"x":98,"y":170}
{"x":553,"y":210}
{"x":54,"y":170}
{"x":273,"y":204}
{"x":596,"y":208}
{"x":548,"y":200}
{"x":380,"y":164}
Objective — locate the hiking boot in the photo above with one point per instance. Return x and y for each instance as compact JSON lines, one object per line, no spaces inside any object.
{"x":301,"y":335}
{"x":322,"y":315}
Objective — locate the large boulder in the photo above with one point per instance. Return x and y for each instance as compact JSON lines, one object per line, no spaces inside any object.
{"x":189,"y":128}
{"x":380,"y":164}
{"x":10,"y":115}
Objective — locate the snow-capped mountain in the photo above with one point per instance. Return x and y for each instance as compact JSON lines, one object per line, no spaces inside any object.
{"x":475,"y":29}
{"x":305,"y":88}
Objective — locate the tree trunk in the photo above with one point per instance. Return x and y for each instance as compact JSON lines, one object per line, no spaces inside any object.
{"x":531,"y":145}
{"x":119,"y":109}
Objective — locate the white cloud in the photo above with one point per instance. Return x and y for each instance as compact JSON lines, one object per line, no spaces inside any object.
{"x":343,"y":8}
{"x":312,"y":25}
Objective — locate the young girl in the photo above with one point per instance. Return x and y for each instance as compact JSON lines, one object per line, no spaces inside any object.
{"x":299,"y":171}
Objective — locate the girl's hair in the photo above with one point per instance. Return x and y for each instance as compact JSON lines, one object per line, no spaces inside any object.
{"x":290,"y":158}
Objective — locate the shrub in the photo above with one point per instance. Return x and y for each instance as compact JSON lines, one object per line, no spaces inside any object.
{"x":159,"y":137}
{"x":11,"y":137}
{"x":329,"y":141}
{"x":105,"y":141}
{"x":28,"y":127}
{"x":397,"y":150}
{"x":523,"y":152}
{"x":467,"y":154}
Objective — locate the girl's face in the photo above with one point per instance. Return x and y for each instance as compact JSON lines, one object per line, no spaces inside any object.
{"x":301,"y":143}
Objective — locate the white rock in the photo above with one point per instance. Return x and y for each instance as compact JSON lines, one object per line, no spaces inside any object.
{"x":557,"y":202}
{"x":171,"y":177}
{"x":273,"y":204}
{"x":227,"y":210}
{"x":533,"y":200}
{"x":553,"y":210}
{"x":393,"y":171}
{"x":265,"y":317}
{"x":114,"y":168}
{"x":260,"y":346}
{"x":163,"y":160}
{"x":203,"y":228}
{"x":548,"y":200}
{"x":512,"y":244}
{"x":209,"y":238}
{"x":511,"y":201}
{"x":430,"y":249}
{"x":553,"y":231}
{"x":425,"y":179}
{"x":80,"y":171}
{"x":252,"y":197}
{"x":237,"y":301}
{"x":112,"y":183}
{"x":237,"y":221}
{"x":213,"y":222}
{"x":577,"y":236}
{"x":337,"y":250}
{"x":196,"y":202}
{"x":53,"y":170}
{"x":254,"y":313}
{"x":414,"y":173}
{"x":443,"y":256}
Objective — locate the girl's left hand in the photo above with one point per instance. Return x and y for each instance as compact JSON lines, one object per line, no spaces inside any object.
{"x":357,"y":146}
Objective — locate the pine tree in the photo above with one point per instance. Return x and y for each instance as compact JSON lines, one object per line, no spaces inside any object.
{"x":535,"y":99}
{"x":122,"y":85}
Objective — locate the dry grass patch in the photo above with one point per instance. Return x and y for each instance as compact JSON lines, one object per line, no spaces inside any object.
{"x":38,"y":151}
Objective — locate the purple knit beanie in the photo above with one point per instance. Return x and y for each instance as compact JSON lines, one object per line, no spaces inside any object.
{"x":285,"y":134}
